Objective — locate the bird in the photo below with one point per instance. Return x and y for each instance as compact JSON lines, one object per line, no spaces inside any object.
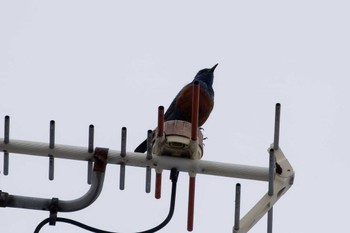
{"x":181,"y":107}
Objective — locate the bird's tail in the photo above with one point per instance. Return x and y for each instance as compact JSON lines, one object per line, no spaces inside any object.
{"x":142,"y":148}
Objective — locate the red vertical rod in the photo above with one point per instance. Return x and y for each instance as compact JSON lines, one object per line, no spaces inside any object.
{"x":160,"y":121}
{"x":158,"y":189}
{"x":194,"y":132}
{"x":158,"y":185}
{"x":191,"y":195}
{"x":195,"y":110}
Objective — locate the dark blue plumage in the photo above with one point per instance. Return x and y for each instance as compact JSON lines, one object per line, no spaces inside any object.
{"x":181,"y":107}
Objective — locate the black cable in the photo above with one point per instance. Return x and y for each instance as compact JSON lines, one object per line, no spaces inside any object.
{"x":70,"y":221}
{"x":173,"y":176}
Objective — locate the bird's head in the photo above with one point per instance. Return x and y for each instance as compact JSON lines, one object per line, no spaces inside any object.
{"x":206,"y":75}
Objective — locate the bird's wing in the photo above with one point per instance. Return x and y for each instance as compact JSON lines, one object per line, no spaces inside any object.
{"x":171,"y":113}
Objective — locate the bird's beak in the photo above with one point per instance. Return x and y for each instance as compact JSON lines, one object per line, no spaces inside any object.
{"x":213,"y":68}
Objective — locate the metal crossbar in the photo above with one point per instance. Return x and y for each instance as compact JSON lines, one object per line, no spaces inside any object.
{"x":138,"y":160}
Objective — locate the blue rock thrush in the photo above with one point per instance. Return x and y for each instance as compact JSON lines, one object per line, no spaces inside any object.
{"x":181,"y":107}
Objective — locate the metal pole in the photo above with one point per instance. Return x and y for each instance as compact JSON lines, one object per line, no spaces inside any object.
{"x":139,"y":160}
{"x":269,"y":220}
{"x":90,"y":150}
{"x":160,"y":121}
{"x":51,"y":167}
{"x":123,"y":143}
{"x":271,"y":171}
{"x":149,"y":144}
{"x":122,"y":154}
{"x":6,"y":141}
{"x":191,"y":196}
{"x":6,"y":163}
{"x":237,"y":206}
{"x":160,"y":128}
{"x":52,"y":146}
{"x":272,"y":163}
{"x":271,"y":188}
{"x":148,"y":179}
{"x":7,"y":130}
{"x":149,"y":157}
{"x":91,"y":138}
{"x":277,"y":126}
{"x":52,"y":134}
{"x":158,"y":190}
{"x":195,"y":110}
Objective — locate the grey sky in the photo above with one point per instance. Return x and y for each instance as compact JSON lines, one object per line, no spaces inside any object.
{"x":112,"y":64}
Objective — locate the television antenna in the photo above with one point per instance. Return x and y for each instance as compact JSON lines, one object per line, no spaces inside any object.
{"x":175,"y":146}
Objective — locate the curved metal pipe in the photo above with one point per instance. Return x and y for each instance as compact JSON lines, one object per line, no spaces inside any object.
{"x":34,"y":203}
{"x":88,"y":198}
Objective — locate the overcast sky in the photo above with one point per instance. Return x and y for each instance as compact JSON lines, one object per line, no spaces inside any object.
{"x":112,"y":64}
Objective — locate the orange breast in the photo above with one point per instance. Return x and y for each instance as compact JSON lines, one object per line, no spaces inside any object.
{"x":184,"y":105}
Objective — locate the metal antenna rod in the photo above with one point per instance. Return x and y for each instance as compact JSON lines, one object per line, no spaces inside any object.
{"x":272,"y":163}
{"x":194,"y":135}
{"x":271,"y":188}
{"x":149,"y":157}
{"x":269,"y":220}
{"x":149,"y":145}
{"x":195,"y":110}
{"x":6,"y":141}
{"x":160,"y":121}
{"x":52,"y":146}
{"x":7,"y":130}
{"x":91,"y":138}
{"x":158,"y":188}
{"x":271,"y":171}
{"x":277,"y":126}
{"x":52,"y":134}
{"x":237,"y":206}
{"x":122,"y":154}
{"x":90,"y":150}
{"x":158,"y":192}
{"x":191,"y":195}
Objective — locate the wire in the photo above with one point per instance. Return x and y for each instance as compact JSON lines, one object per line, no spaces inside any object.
{"x":70,"y":221}
{"x":173,"y":176}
